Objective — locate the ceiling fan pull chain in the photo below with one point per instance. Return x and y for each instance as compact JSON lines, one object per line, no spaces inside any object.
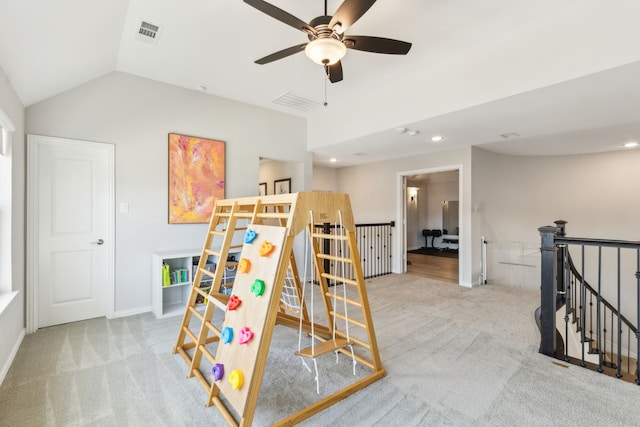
{"x":326,"y":77}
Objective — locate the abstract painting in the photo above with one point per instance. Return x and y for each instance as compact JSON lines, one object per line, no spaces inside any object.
{"x":196,"y":178}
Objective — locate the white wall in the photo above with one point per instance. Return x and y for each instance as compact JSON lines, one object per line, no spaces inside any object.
{"x":272,"y":170}
{"x":12,"y":318}
{"x":325,"y":179}
{"x":414,"y":232}
{"x":136,"y":115}
{"x":376,"y":196}
{"x":513,"y":196}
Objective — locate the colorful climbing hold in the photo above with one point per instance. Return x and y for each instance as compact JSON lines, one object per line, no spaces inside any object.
{"x":245,"y":335}
{"x":250,"y":236}
{"x":236,"y":378}
{"x":217,"y":371}
{"x":257,"y":288}
{"x":227,"y":335}
{"x":244,"y":265}
{"x":234,"y":302}
{"x":266,"y":248}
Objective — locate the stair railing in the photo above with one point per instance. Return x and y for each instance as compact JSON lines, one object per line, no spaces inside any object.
{"x":562,"y":283}
{"x":374,"y":245}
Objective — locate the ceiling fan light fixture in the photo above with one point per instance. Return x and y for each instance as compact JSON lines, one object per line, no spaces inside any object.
{"x":325,"y":51}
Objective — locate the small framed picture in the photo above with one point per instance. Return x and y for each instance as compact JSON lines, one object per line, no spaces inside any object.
{"x":282,"y":186}
{"x":262,"y":189}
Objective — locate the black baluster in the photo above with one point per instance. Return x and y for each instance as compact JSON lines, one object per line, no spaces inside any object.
{"x":567,"y":305}
{"x":618,"y":373}
{"x":638,"y":323}
{"x":599,"y":302}
{"x":582,"y":310}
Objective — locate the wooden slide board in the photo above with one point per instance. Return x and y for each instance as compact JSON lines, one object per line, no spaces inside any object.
{"x":252,"y":312}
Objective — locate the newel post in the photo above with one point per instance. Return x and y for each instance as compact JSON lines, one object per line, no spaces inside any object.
{"x":560,"y":256}
{"x":548,"y":291}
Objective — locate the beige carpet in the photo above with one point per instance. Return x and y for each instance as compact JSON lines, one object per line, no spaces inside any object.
{"x":454,"y":356}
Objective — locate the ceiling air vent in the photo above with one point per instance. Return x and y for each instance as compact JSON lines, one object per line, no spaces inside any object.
{"x":148,"y":32}
{"x":296,"y":102}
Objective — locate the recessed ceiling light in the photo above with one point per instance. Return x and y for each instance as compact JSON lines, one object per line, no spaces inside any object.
{"x":401,"y":130}
{"x":436,"y":138}
{"x":333,"y":160}
{"x":631,"y":144}
{"x":414,"y":132}
{"x":201,"y":88}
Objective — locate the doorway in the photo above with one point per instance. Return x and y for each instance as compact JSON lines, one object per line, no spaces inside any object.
{"x":432,"y":228}
{"x":70,"y":231}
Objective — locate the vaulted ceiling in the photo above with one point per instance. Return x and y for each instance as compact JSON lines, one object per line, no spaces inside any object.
{"x":558,"y":76}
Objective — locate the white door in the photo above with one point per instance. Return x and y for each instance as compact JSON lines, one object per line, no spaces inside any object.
{"x":70,"y":224}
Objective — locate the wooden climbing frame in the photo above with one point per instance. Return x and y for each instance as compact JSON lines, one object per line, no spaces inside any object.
{"x":276,"y":220}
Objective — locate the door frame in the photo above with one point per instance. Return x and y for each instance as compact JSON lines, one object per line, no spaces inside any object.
{"x":401,"y":216}
{"x":33,"y":147}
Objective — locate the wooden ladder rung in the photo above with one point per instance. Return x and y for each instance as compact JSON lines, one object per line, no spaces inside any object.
{"x":339,"y":279}
{"x":190,"y":334}
{"x":335,"y":258}
{"x":355,"y":340}
{"x":329,"y":236}
{"x":195,"y":312}
{"x":323,"y":348}
{"x":348,"y":319}
{"x":207,"y":272}
{"x":218,"y":233}
{"x":213,"y":329}
{"x":206,"y":352}
{"x":219,"y":300}
{"x":212,"y":252}
{"x":248,"y":215}
{"x":200,"y":291}
{"x":273,"y":215}
{"x":341,"y":298}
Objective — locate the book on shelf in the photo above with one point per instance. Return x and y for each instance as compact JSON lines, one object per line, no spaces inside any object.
{"x":180,"y":275}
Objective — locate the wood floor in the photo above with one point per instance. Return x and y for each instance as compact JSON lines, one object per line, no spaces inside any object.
{"x":433,"y":267}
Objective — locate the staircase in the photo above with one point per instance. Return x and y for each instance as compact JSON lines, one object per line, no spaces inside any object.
{"x":577,"y":323}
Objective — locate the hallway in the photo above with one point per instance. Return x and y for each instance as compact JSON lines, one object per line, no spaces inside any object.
{"x":433,"y":267}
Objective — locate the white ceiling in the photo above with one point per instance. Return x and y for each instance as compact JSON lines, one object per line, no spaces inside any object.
{"x":563,"y":74}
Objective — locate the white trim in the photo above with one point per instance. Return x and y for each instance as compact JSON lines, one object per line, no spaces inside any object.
{"x":33,"y":144}
{"x":5,"y":299}
{"x":12,"y":356}
{"x":132,"y":312}
{"x":6,"y":122}
{"x":401,"y":218}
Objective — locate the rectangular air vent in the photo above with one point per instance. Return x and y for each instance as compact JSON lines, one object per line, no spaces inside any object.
{"x":297,"y":102}
{"x":148,"y":32}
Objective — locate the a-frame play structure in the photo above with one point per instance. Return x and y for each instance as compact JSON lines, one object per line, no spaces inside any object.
{"x":240,"y":326}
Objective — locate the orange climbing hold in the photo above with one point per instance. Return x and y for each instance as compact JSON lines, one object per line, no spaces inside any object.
{"x":266,"y":248}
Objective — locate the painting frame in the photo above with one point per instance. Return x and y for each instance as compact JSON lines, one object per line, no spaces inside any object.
{"x":262,"y":189}
{"x":196,"y":177}
{"x":282,"y":186}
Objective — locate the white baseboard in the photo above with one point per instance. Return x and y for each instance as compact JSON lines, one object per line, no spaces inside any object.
{"x":12,"y":355}
{"x":132,"y":312}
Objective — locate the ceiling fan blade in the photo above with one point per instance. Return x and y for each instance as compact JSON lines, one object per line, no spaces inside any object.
{"x":377,"y":45}
{"x":281,"y":15}
{"x":334,"y":72}
{"x":349,"y":12}
{"x":281,"y":54}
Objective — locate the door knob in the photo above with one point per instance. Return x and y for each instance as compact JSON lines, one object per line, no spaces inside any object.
{"x":99,"y":242}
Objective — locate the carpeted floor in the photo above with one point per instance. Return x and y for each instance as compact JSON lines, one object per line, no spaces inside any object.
{"x":454,"y":356}
{"x":435,"y":252}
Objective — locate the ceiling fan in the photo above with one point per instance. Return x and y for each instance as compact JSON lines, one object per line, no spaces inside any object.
{"x":327,"y":42}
